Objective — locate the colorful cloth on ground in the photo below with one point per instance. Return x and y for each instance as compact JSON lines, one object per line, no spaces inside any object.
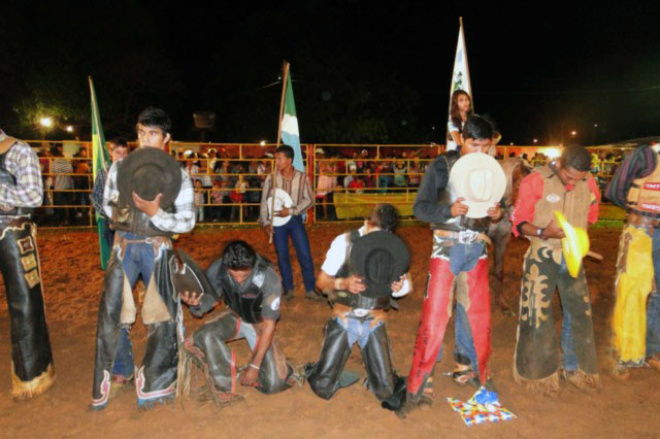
{"x":484,"y":406}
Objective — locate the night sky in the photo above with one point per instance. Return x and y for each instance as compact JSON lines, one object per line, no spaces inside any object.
{"x":363,"y":71}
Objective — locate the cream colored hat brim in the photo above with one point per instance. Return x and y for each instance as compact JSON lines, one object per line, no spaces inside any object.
{"x":461,"y":171}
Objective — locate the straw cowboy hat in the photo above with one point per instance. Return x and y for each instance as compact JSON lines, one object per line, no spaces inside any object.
{"x":149,"y":172}
{"x":479,"y":179}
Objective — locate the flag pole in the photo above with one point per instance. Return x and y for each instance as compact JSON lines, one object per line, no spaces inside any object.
{"x":285,"y":77}
{"x":467,"y":63}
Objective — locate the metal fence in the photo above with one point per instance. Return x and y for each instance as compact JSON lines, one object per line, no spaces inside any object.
{"x":347,"y":179}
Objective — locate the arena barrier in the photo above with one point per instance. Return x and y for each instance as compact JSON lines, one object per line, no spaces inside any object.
{"x":347,"y":180}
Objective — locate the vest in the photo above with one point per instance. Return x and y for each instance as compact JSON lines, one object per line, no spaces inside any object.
{"x":644,"y":194}
{"x":7,"y":178}
{"x":357,"y":300}
{"x":574,"y":204}
{"x":245,"y":299}
{"x":132,"y":220}
{"x":448,"y":196}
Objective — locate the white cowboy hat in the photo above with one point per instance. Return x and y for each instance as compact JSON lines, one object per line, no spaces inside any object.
{"x":479,"y":179}
{"x":282,"y":200}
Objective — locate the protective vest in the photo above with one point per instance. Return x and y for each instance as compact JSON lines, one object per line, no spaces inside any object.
{"x":574,"y":204}
{"x":357,"y":300}
{"x":644,"y":193}
{"x":245,"y":299}
{"x":7,"y":178}
{"x":448,"y":196}
{"x":132,"y":220}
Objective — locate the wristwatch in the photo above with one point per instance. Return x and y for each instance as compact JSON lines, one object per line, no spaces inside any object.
{"x":539,"y":231}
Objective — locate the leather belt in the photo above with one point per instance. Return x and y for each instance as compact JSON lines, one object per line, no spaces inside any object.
{"x":464,"y":236}
{"x":341,"y":310}
{"x":635,"y":219}
{"x":13,"y":221}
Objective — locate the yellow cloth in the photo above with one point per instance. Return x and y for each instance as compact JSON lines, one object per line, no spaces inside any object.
{"x":633,"y":285}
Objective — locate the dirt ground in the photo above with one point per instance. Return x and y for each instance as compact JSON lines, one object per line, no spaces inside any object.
{"x":73,"y":282}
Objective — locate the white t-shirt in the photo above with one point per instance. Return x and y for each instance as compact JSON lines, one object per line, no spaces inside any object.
{"x":336,"y":256}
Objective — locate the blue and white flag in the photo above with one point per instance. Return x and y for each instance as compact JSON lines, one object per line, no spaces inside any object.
{"x":460,"y":78}
{"x":289,"y":126}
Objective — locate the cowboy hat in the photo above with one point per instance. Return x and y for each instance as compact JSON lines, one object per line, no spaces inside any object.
{"x":186,"y":276}
{"x":575,"y":245}
{"x":480,"y":180}
{"x":379,"y":258}
{"x":148,"y":172}
{"x":282,"y":200}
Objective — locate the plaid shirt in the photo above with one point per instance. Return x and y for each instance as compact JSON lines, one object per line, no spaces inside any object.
{"x":181,"y":221}
{"x":23,"y":164}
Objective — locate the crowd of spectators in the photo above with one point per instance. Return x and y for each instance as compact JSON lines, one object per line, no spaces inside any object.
{"x":228,"y":184}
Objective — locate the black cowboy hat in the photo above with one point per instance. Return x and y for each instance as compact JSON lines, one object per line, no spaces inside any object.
{"x":379,"y":258}
{"x":187,"y":276}
{"x":148,"y":172}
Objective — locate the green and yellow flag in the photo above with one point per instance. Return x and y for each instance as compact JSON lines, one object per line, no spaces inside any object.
{"x":100,"y":161}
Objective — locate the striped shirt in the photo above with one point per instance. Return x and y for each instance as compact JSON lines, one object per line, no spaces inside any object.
{"x":23,"y":164}
{"x":62,"y":166}
{"x":181,"y":221}
{"x":97,"y":192}
{"x":299,"y":188}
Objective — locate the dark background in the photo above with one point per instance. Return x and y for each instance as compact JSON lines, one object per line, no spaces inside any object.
{"x":363,"y":71}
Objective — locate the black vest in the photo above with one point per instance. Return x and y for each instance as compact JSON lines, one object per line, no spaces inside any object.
{"x":7,"y":178}
{"x":245,"y":299}
{"x":444,"y":197}
{"x":357,"y":300}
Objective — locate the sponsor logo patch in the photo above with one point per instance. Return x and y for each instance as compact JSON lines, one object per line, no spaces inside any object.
{"x":275,"y":305}
{"x":652,"y":186}
{"x":553,"y":198}
{"x":650,"y":206}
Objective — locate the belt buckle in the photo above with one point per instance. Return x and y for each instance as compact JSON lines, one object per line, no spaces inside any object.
{"x":467,"y":236}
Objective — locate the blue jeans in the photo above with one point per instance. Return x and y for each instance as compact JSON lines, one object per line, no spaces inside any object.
{"x":569,"y":361}
{"x":296,"y":229}
{"x":138,"y":259}
{"x":653,"y":305}
{"x":463,"y":258}
{"x":358,"y":330}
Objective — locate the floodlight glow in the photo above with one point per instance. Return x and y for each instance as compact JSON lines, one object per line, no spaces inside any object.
{"x":262,"y":143}
{"x":552,"y":153}
{"x":69,"y":129}
{"x":46,"y":122}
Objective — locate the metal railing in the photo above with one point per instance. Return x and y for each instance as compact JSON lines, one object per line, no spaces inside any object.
{"x":347,"y":179}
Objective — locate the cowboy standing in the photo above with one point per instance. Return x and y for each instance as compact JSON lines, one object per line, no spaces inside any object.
{"x":565,"y":186}
{"x":459,"y":261}
{"x":148,"y":197}
{"x":21,"y":191}
{"x":636,"y":322}
{"x":288,"y":221}
{"x":360,"y":305}
{"x":252,"y":290}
